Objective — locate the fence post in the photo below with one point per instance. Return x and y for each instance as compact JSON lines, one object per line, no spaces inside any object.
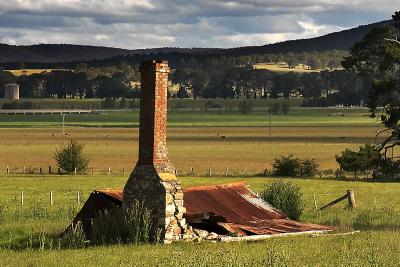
{"x":109,"y":170}
{"x":78,"y":198}
{"x":191,"y":171}
{"x":51,"y":198}
{"x":245,"y":171}
{"x":226,"y":171}
{"x":352,"y":200}
{"x":40,"y":170}
{"x":22,"y":197}
{"x":49,"y":169}
{"x":8,"y":170}
{"x":24,"y":169}
{"x":123,"y":171}
{"x":315,"y":202}
{"x":75,"y":171}
{"x":209,"y":172}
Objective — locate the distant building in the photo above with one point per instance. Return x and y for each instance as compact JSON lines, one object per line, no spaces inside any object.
{"x":11,"y":91}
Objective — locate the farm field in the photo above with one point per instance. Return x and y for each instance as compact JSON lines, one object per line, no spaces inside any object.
{"x":245,"y":144}
{"x":29,"y":233}
{"x":20,"y":72}
{"x":284,"y":67}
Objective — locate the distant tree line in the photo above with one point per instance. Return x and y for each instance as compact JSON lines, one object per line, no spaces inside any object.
{"x":218,"y":77}
{"x":317,"y":88}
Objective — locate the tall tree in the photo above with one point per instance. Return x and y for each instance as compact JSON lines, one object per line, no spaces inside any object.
{"x":377,"y":57}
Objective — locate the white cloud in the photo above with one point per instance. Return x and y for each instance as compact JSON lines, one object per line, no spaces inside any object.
{"x":201,"y":23}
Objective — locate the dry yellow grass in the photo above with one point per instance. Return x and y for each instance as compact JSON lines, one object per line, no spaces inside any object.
{"x":29,"y":71}
{"x":249,"y":148}
{"x":283,"y":67}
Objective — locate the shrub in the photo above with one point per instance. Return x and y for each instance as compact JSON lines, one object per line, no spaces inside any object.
{"x":123,"y":103}
{"x":108,"y":103}
{"x":286,"y":166}
{"x":245,"y":107}
{"x":70,"y":157}
{"x":134,"y":227}
{"x":275,"y":108}
{"x":285,"y":108}
{"x":285,"y":197}
{"x":308,"y":168}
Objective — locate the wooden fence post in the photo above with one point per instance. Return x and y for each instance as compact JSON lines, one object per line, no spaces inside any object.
{"x":75,"y":171}
{"x":109,"y":170}
{"x":226,"y":171}
{"x":8,"y":170}
{"x":209,"y":172}
{"x":40,"y":170}
{"x":78,"y":198}
{"x":352,"y":200}
{"x":22,"y":197}
{"x":315,"y":202}
{"x":191,"y":171}
{"x":51,"y":198}
{"x":24,"y":169}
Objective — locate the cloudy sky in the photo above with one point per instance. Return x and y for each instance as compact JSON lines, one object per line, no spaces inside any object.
{"x":184,"y":23}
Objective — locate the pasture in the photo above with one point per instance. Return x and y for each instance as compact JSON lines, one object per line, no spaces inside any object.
{"x":284,"y":67}
{"x":29,"y":233}
{"x":246,"y":144}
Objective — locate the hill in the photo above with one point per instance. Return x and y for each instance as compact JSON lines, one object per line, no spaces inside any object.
{"x":53,"y":53}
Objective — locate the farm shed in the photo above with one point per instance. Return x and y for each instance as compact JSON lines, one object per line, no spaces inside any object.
{"x":228,"y":209}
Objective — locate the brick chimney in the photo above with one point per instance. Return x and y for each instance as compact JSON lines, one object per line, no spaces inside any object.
{"x":153,"y":182}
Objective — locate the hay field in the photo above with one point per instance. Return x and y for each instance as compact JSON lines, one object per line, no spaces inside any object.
{"x":250,"y":148}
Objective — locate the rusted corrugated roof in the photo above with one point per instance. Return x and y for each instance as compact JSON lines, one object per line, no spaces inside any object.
{"x":235,"y":202}
{"x":243,"y":211}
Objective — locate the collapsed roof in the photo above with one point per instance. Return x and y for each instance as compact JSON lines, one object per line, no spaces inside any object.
{"x":228,"y":209}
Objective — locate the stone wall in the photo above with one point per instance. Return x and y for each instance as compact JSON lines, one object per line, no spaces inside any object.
{"x":153,"y":181}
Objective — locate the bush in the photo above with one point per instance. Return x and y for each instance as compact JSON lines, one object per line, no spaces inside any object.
{"x":308,"y":168}
{"x":133,"y":227}
{"x":108,"y":103}
{"x":275,"y":108}
{"x":285,"y":108}
{"x":70,"y":157}
{"x":245,"y":107}
{"x":290,"y":166}
{"x":286,"y":166}
{"x":285,"y":197}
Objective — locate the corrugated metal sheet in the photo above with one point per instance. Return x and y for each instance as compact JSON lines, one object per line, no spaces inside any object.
{"x":232,"y":208}
{"x":235,"y":202}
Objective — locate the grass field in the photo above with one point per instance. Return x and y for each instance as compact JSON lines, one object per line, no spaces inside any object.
{"x":284,"y":67}
{"x":29,"y":233}
{"x":30,"y":71}
{"x":195,"y":139}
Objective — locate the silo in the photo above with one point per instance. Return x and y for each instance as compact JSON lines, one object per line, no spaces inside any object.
{"x":11,"y":91}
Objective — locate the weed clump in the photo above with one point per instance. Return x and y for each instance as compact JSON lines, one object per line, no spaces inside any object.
{"x":286,"y":197}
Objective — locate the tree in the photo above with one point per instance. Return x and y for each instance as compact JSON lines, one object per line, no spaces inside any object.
{"x":71,"y":157}
{"x":111,"y":88}
{"x":199,"y":80}
{"x":367,"y":159}
{"x":377,"y":57}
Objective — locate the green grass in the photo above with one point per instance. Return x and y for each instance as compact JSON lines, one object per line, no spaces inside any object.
{"x":298,"y":117}
{"x":377,"y":216}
